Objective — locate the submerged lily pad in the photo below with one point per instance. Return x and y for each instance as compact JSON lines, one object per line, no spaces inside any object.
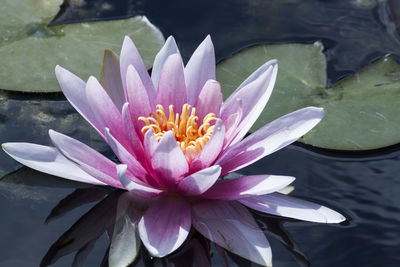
{"x":361,"y":110}
{"x":30,"y":50}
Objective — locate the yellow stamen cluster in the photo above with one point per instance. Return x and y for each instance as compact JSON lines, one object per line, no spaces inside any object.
{"x":190,"y":137}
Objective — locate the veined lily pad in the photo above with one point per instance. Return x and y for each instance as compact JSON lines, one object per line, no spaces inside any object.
{"x":361,"y":110}
{"x":30,"y":50}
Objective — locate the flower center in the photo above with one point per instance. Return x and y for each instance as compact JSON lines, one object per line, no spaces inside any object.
{"x":190,"y":136}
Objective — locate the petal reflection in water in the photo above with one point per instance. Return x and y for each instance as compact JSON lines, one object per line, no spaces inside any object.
{"x":117,"y":214}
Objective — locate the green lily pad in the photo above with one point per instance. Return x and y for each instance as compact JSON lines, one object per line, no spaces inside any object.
{"x":361,"y":110}
{"x":30,"y":50}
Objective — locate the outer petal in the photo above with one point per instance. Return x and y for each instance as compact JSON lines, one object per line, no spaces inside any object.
{"x":199,"y":69}
{"x":168,"y":49}
{"x":254,"y":95}
{"x":246,"y":186}
{"x":87,"y":158}
{"x":231,"y":226}
{"x":106,"y":111}
{"x":136,"y":188}
{"x":74,"y":90}
{"x":282,"y":205}
{"x":270,"y":138}
{"x":211,"y":150}
{"x":168,"y":160}
{"x":199,"y":182}
{"x":111,"y":78}
{"x":125,"y":157}
{"x":171,"y":86}
{"x":210,"y":99}
{"x":165,"y":225}
{"x":49,"y":160}
{"x":130,"y":56}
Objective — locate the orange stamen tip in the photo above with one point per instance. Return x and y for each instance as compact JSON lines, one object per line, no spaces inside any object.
{"x":190,"y":136}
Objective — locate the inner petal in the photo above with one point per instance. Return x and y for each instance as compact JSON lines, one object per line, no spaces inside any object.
{"x":190,"y":136}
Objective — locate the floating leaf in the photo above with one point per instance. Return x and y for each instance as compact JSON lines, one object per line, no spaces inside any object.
{"x":30,"y":50}
{"x":361,"y":110}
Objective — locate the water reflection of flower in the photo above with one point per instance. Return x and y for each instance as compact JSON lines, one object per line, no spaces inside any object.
{"x":178,"y":159}
{"x":120,"y":209}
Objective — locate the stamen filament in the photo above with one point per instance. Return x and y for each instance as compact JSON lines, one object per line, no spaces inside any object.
{"x":190,"y":137}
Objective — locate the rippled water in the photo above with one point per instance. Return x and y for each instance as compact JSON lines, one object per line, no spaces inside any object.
{"x":363,"y":186}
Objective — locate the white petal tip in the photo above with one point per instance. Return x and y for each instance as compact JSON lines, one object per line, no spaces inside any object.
{"x":122,"y":167}
{"x":127,"y":39}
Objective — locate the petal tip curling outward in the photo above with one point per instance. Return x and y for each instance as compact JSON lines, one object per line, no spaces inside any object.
{"x":165,"y":225}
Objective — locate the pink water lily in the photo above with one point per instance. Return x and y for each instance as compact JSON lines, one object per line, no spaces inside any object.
{"x":176,"y":139}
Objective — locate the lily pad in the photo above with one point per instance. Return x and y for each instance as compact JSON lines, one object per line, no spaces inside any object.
{"x":30,"y":50}
{"x":361,"y":110}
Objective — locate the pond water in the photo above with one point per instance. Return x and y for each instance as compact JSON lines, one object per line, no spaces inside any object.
{"x":364,"y":186}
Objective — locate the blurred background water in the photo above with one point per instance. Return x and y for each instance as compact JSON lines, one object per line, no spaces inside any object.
{"x":364,"y":186}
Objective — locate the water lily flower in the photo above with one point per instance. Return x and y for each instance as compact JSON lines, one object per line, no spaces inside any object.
{"x":176,"y":139}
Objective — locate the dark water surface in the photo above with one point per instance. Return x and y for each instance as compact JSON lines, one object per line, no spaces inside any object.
{"x":363,"y":186}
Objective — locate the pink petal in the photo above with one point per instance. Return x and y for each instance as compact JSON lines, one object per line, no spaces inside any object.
{"x":106,"y":111}
{"x":74,"y":90}
{"x":131,"y":133}
{"x":210,"y":99}
{"x":246,"y":186}
{"x":48,"y":160}
{"x":254,"y":95}
{"x":232,"y":227}
{"x":125,"y":157}
{"x":199,"y":182}
{"x":211,"y":150}
{"x":168,"y":49}
{"x":150,"y":143}
{"x":87,"y":158}
{"x":168,"y":160}
{"x":134,"y":186}
{"x":282,"y":205}
{"x":139,"y":102}
{"x":165,"y":225}
{"x":171,"y":86}
{"x":231,"y":124}
{"x":199,"y":69}
{"x":130,"y":56}
{"x":270,"y":138}
{"x":111,"y":78}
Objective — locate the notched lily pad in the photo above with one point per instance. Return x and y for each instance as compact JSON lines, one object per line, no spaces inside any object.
{"x":361,"y":110}
{"x":30,"y":50}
